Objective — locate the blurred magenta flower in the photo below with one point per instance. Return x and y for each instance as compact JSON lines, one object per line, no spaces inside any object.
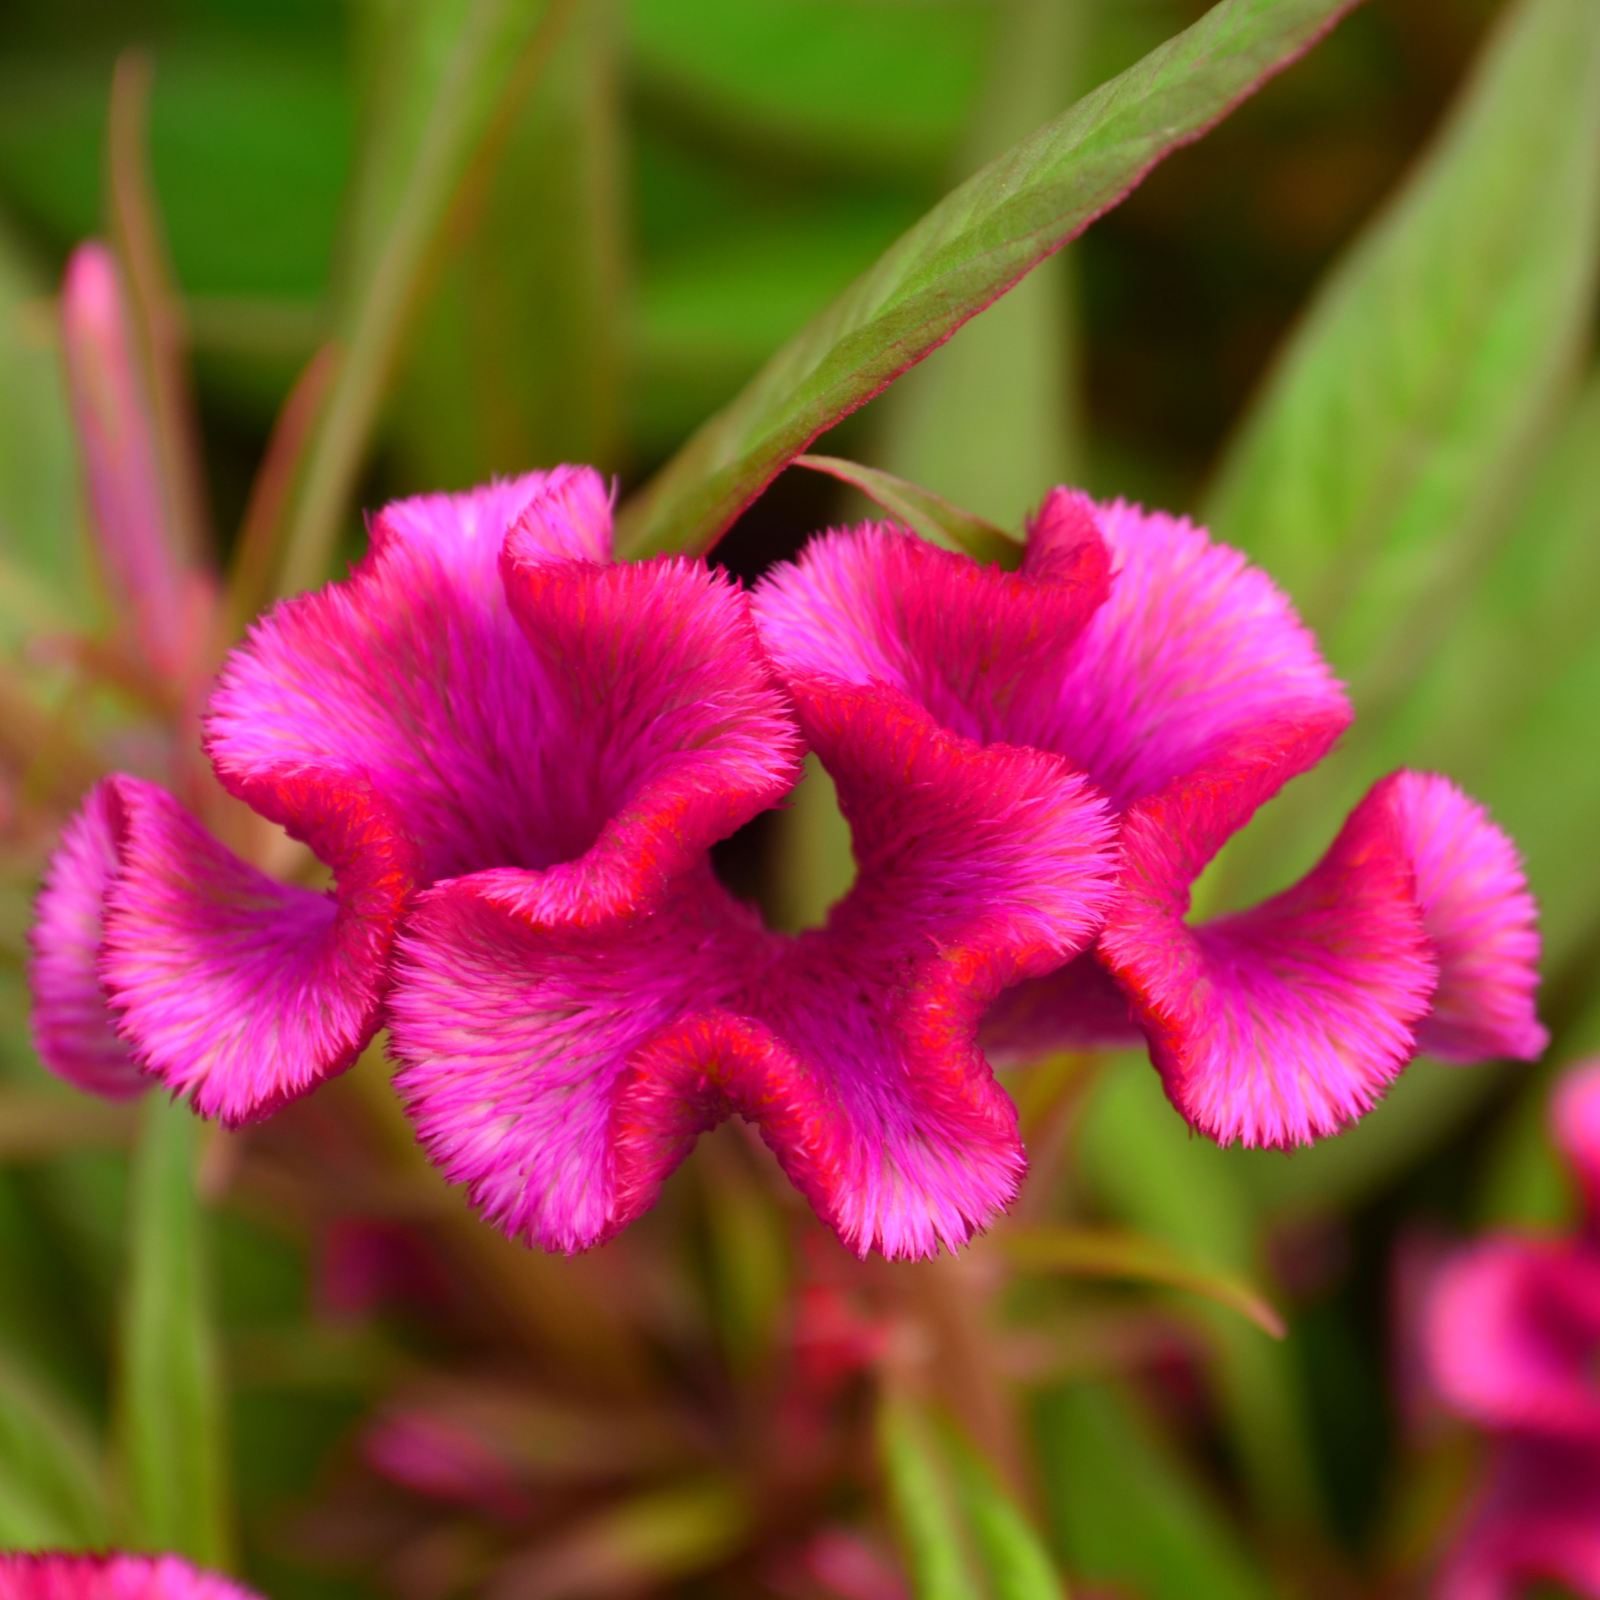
{"x":1511,"y":1334}
{"x":1179,"y":679}
{"x":166,"y":603}
{"x":55,"y":1576}
{"x":368,"y":1262}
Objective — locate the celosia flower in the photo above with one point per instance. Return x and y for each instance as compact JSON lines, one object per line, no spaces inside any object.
{"x":554,"y":741}
{"x":595,"y":724}
{"x":562,"y":1052}
{"x":54,"y":1576}
{"x":1190,"y":696}
{"x":1511,"y":1336}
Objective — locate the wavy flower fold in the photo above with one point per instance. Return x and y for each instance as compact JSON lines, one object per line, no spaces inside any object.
{"x":513,"y":756}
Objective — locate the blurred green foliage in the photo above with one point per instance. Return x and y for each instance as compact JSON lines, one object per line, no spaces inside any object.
{"x":587,"y":264}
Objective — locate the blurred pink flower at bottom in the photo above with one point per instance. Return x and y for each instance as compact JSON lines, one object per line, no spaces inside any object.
{"x":1511,"y":1342}
{"x":59,"y":1576}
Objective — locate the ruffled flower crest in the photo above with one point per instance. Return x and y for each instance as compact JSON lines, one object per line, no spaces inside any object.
{"x":402,"y":725}
{"x":562,"y":1053}
{"x":1190,"y":693}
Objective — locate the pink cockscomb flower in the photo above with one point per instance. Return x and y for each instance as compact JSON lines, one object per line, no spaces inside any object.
{"x":1511,"y":1340}
{"x":55,"y":1576}
{"x":1189,"y":693}
{"x":561,"y":1053}
{"x":552,"y":741}
{"x":430,"y":716}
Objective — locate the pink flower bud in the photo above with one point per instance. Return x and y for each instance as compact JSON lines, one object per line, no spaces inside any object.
{"x":156,"y":596}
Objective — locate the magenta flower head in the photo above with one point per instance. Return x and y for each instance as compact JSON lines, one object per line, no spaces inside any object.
{"x":1180,"y":681}
{"x":54,"y":1576}
{"x":561,"y":1052}
{"x":1512,"y":1341}
{"x":439,"y":712}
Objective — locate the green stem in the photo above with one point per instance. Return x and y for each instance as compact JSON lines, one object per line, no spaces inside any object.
{"x":171,"y":1402}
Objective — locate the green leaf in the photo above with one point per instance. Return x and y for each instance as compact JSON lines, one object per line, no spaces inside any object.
{"x":1375,"y":475}
{"x":956,"y":1521}
{"x":925,"y":513}
{"x":1369,"y":476}
{"x":1126,"y":1511}
{"x":1014,"y":1557}
{"x":1511,"y":699}
{"x":868,"y":86}
{"x":52,"y":1489}
{"x":1143,"y":1164}
{"x":923,"y":1505}
{"x":969,"y":249}
{"x":438,"y":73}
{"x":43,"y":555}
{"x":1116,"y":1253}
{"x":170,"y":1403}
{"x":989,"y":419}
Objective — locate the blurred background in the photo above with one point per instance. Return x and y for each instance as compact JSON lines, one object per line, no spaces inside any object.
{"x":413,"y":1409}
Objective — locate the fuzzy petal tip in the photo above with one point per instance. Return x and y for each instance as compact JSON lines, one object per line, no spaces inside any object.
{"x":73,"y":1031}
{"x":159,"y":954}
{"x":1481,"y":920}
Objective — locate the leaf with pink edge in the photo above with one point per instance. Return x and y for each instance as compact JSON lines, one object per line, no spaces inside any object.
{"x":924,"y":512}
{"x":1119,"y":1253}
{"x":972,"y":247}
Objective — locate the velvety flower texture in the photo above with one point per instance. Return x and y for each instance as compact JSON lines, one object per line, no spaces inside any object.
{"x":562,"y":1047}
{"x":513,"y":755}
{"x":1512,"y":1343}
{"x":55,"y":1576}
{"x":1179,"y":679}
{"x":429,"y":716}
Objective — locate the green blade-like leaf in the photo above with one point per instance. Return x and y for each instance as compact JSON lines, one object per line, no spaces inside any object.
{"x":171,"y":1456}
{"x":1143,"y":1164}
{"x":440,"y":73}
{"x":924,"y":512}
{"x":1014,"y":1558}
{"x":923,"y":1505}
{"x":1117,"y":1253}
{"x":43,"y":555}
{"x":1510,"y":700}
{"x":1128,"y":1512}
{"x":968,"y":250}
{"x":1433,"y":357}
{"x":1375,"y":475}
{"x":52,"y":1489}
